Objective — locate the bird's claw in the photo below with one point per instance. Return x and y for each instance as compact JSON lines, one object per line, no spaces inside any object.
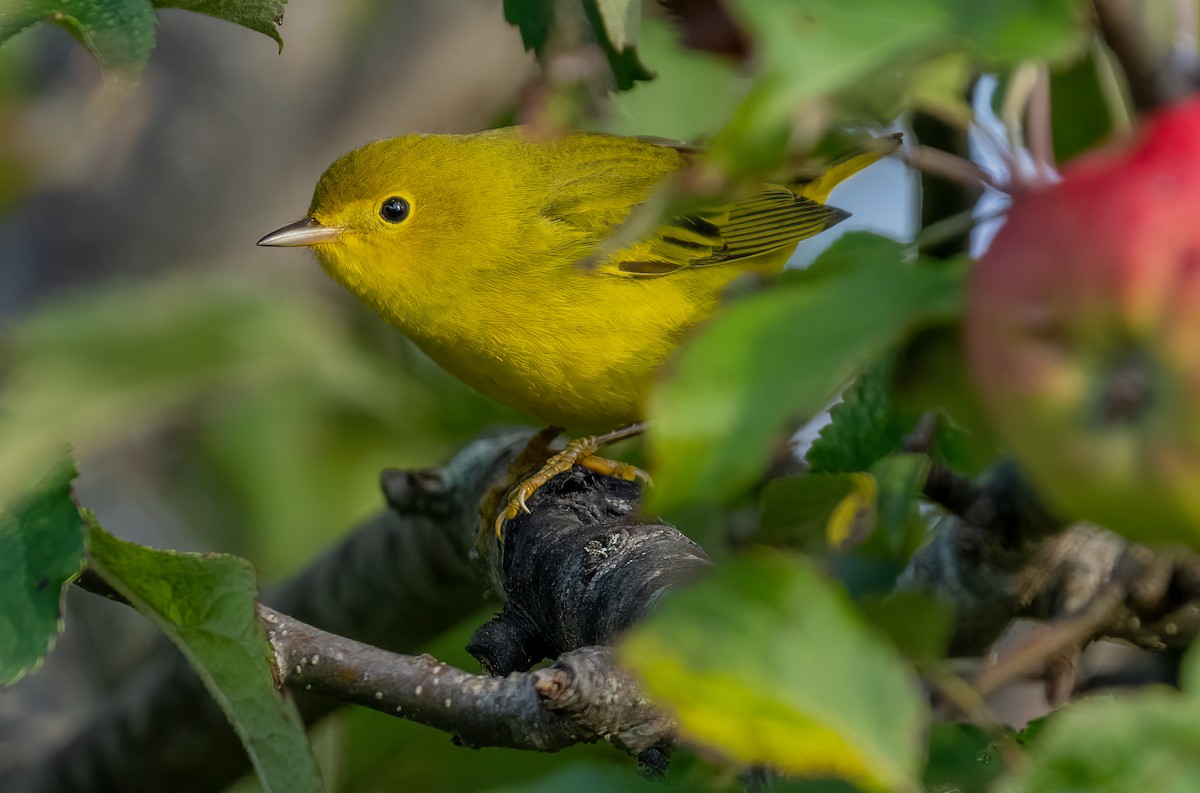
{"x":580,"y":451}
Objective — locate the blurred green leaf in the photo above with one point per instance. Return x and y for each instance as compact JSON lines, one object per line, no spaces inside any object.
{"x":862,"y":428}
{"x":1017,"y":30}
{"x":931,"y":377}
{"x":41,"y":551}
{"x":90,"y":368}
{"x":612,"y":23}
{"x":1148,"y":742}
{"x":205,"y":603}
{"x":816,"y":47}
{"x":533,"y":18}
{"x":1189,"y":671}
{"x":918,"y":624}
{"x":1034,"y":728}
{"x":590,"y":778}
{"x":768,"y":663}
{"x":808,"y":50}
{"x":938,"y":86}
{"x":691,"y":94}
{"x":780,"y":356}
{"x":118,"y":33}
{"x":627,"y":67}
{"x":900,"y":478}
{"x":813,"y":786}
{"x":622,"y":20}
{"x":873,"y":59}
{"x":121,"y":33}
{"x":962,"y":758}
{"x":1079,"y":107}
{"x":797,"y":510}
{"x":263,"y":16}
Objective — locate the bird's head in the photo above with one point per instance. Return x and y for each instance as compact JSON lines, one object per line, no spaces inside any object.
{"x":396,"y":215}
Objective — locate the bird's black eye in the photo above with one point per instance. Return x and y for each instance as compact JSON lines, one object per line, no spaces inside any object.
{"x":394,"y":209}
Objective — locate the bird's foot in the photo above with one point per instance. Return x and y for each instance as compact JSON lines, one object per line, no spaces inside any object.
{"x":581,"y":451}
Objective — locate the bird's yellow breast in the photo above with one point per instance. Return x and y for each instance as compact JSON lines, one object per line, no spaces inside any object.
{"x":572,"y":347}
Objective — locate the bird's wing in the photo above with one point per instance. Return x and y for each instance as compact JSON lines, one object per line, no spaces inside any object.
{"x":774,"y":219}
{"x":601,"y":201}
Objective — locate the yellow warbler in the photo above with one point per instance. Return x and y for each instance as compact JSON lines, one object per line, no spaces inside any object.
{"x":472,"y":245}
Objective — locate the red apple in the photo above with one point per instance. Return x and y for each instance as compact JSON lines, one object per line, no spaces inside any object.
{"x":1083,"y":333}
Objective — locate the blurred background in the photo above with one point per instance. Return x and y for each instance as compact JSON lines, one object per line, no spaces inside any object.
{"x":243,"y":402}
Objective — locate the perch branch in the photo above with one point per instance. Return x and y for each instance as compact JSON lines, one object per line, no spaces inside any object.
{"x":583,"y":697}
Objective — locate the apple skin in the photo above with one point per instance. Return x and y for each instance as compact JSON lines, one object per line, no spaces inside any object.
{"x":1083,"y":334}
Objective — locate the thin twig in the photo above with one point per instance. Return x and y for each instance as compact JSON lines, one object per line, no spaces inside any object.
{"x":1052,"y":639}
{"x":1040,"y":125}
{"x":1154,"y":77}
{"x":1112,"y":88}
{"x":949,"y":166}
{"x":962,"y":695}
{"x":955,"y":226}
{"x":585,"y":697}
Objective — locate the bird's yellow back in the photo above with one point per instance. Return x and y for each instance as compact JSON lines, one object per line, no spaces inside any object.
{"x":472,"y":246}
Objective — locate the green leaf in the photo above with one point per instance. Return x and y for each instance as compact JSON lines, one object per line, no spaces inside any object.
{"x":533,"y":18}
{"x":263,"y":16}
{"x":1189,"y":671}
{"x":962,"y":758}
{"x":939,"y":86}
{"x":622,"y":19}
{"x":766,"y":662}
{"x":691,"y":95}
{"x":873,"y":59}
{"x":1081,"y":112}
{"x":900,"y":479}
{"x":90,"y":368}
{"x":1033,"y":729}
{"x":627,"y":67}
{"x":815,"y":511}
{"x":862,"y":428}
{"x":918,"y":623}
{"x":205,"y":603}
{"x":779,"y":357}
{"x":612,"y":23}
{"x":41,"y":551}
{"x":118,"y":33}
{"x":593,"y":778}
{"x":820,"y":46}
{"x":1020,"y":30}
{"x":1104,"y":745}
{"x":813,"y":49}
{"x":931,"y":377}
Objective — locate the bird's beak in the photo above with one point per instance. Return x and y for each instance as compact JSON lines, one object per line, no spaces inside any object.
{"x":303,"y":232}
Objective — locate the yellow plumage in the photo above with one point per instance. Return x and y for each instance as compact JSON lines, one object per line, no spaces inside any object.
{"x":484,"y":270}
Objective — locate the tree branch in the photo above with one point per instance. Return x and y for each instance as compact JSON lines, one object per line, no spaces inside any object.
{"x":584,"y":697}
{"x":579,"y":569}
{"x":1004,"y":556}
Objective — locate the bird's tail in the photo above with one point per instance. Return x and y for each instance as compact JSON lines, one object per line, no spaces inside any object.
{"x":819,"y":185}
